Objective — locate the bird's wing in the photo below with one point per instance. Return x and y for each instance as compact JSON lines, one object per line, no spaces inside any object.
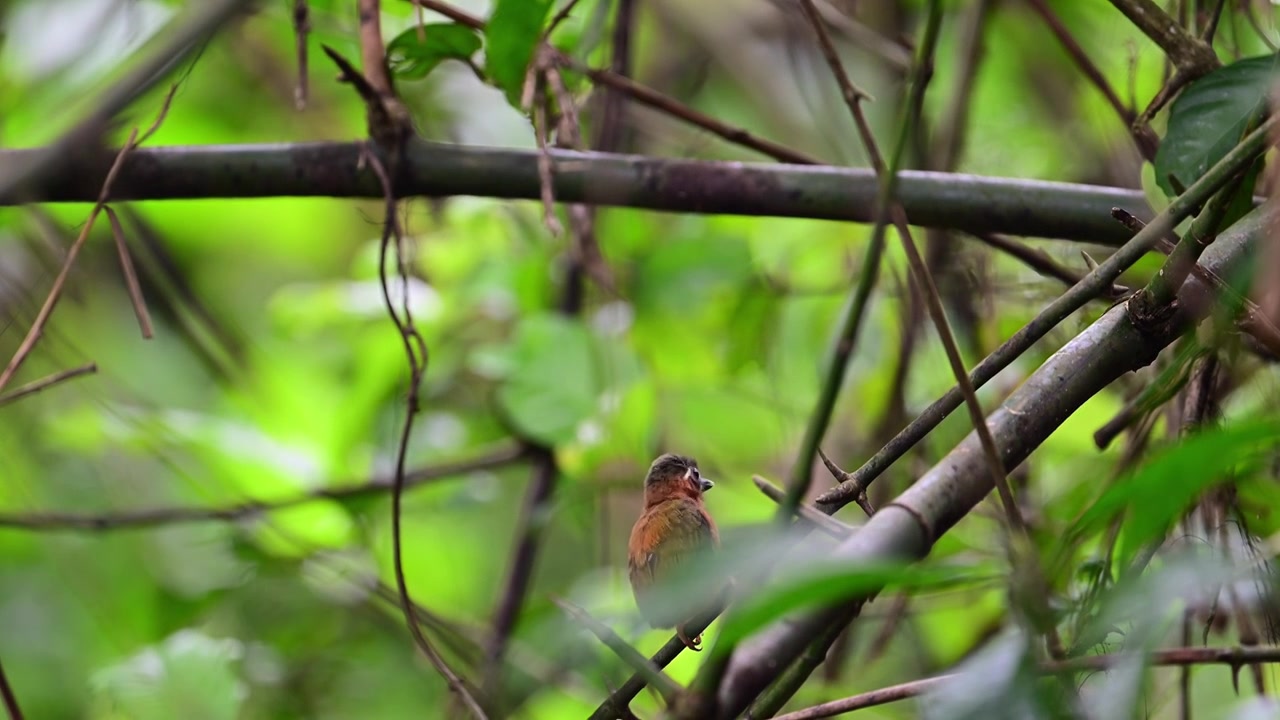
{"x":666,"y":536}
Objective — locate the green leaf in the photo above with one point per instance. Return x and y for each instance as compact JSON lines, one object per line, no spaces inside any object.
{"x":510,"y":37}
{"x":827,"y":582}
{"x":413,"y":58}
{"x":1161,"y":490}
{"x":553,"y":385}
{"x":1210,"y":117}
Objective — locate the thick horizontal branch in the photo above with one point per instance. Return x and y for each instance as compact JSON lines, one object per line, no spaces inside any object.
{"x":963,"y":202}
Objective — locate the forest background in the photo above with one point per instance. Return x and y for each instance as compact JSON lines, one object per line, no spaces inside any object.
{"x":216,"y":500}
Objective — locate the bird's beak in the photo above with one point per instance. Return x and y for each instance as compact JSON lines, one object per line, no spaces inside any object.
{"x":705,"y":484}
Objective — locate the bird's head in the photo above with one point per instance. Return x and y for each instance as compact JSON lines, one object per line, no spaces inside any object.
{"x":673,"y":476}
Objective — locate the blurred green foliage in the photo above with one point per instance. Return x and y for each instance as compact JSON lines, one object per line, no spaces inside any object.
{"x":275,"y":370}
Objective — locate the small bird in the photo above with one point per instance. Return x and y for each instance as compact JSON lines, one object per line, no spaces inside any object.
{"x":674,"y":527}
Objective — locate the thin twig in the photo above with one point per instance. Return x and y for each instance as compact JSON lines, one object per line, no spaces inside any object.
{"x":55,"y":292}
{"x":919,"y":80}
{"x":976,"y":414}
{"x":560,"y":17}
{"x":1176,"y":657}
{"x":921,"y":272}
{"x":390,"y":127}
{"x":10,"y":699}
{"x":48,"y":381}
{"x":1143,"y":136}
{"x":615,"y":705}
{"x":544,"y":157}
{"x":825,"y":523}
{"x":887,"y":205}
{"x":1211,"y":27}
{"x":855,"y":307}
{"x":669,"y":689}
{"x":130,"y":275}
{"x":646,"y":96}
{"x":301,"y":28}
{"x":1042,"y":263}
{"x":841,"y":476}
{"x":943,"y":248}
{"x":133,"y":519}
{"x":883,"y":696}
{"x":416,"y":354}
{"x":711,"y":675}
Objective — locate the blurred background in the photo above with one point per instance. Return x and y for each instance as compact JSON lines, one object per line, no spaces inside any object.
{"x":275,"y":372}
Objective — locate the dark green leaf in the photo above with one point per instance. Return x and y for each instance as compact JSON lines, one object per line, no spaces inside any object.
{"x":552,"y":387}
{"x":412,"y":57}
{"x":510,"y":38}
{"x":1210,"y":117}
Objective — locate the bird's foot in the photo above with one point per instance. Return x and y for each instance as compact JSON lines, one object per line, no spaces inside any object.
{"x":694,"y":644}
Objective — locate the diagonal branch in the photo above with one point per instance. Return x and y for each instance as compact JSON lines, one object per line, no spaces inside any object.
{"x":668,"y":688}
{"x":46,"y":382}
{"x":1143,"y":136}
{"x":806,"y":513}
{"x":851,"y":319}
{"x":1042,"y":263}
{"x":1094,"y":283}
{"x":909,"y":526}
{"x":1189,"y":54}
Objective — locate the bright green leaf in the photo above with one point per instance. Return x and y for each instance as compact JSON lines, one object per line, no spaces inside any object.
{"x":1161,"y":490}
{"x":1210,"y":117}
{"x":553,"y":385}
{"x":414,"y":57}
{"x":510,"y":38}
{"x":828,"y":582}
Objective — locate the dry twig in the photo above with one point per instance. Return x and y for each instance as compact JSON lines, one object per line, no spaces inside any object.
{"x":43,"y":383}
